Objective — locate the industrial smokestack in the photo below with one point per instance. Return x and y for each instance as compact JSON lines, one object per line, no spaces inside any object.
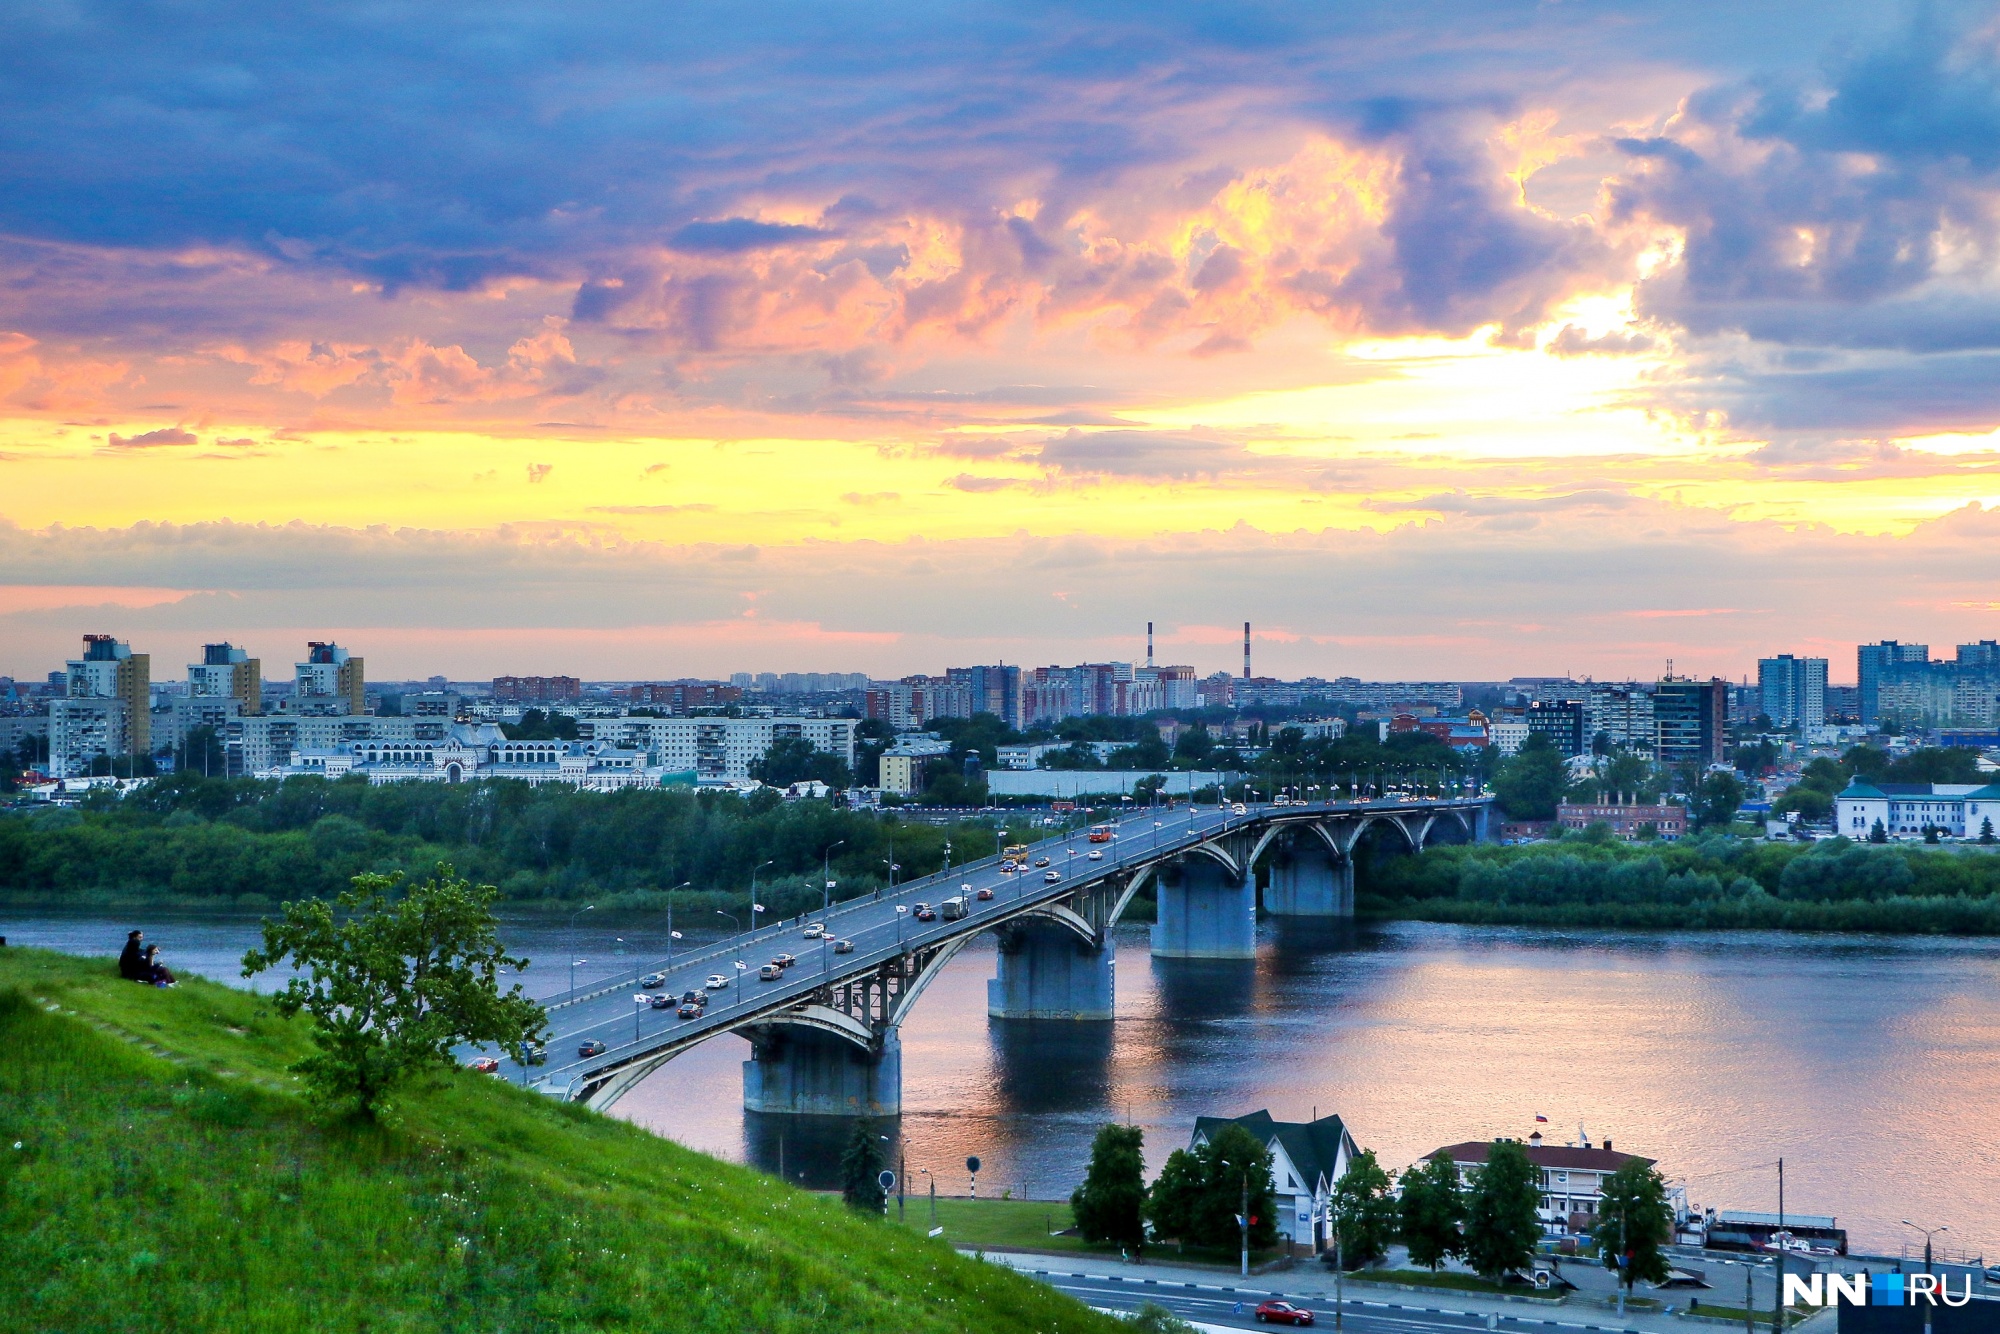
{"x":1149,"y":643}
{"x":1246,"y":650}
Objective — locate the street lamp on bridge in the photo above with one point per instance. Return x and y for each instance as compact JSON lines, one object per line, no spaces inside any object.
{"x":572,"y":946}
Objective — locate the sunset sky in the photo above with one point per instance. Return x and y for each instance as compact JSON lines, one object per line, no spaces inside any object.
{"x":1438,"y":340}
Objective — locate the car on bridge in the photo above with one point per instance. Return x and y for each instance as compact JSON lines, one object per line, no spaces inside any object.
{"x":590,"y":1048}
{"x":717,"y":981}
{"x":651,"y":980}
{"x":770,"y":972}
{"x":1275,"y":1312}
{"x":663,"y":1001}
{"x":1097,"y":854}
{"x":815,"y":930}
{"x":843,"y":947}
{"x":1051,"y":877}
{"x":783,"y":960}
{"x":985,"y":893}
{"x":689,"y":1010}
{"x":484,"y":1065}
{"x":924,"y":913}
{"x":1041,"y":862}
{"x":695,"y":997}
{"x":537,"y":1053}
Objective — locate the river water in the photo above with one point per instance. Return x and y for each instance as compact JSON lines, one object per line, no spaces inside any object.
{"x":1870,"y":1064}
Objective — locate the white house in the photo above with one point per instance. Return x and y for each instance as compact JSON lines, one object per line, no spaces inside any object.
{"x":472,"y":751}
{"x":1572,"y":1176}
{"x":1906,"y":810}
{"x":1307,"y":1157}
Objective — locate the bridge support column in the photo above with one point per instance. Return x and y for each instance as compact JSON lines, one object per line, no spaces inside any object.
{"x":1204,"y":912}
{"x":1307,"y":881}
{"x":1047,"y":971}
{"x":800,"y":1070}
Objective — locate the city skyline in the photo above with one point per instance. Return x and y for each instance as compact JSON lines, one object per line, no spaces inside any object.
{"x":1428,"y":339}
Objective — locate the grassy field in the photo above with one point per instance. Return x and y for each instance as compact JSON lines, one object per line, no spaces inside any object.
{"x":158,"y":1169}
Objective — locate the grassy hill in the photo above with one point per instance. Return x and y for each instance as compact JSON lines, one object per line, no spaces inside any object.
{"x":159,"y":1171}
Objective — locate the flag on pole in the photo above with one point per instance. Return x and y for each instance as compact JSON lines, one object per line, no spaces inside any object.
{"x":1543,"y":1119}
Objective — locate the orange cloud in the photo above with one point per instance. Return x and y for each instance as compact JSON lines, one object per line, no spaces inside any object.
{"x":34,"y":381}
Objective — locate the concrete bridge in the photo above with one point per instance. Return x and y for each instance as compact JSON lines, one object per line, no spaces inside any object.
{"x":824,"y":1036}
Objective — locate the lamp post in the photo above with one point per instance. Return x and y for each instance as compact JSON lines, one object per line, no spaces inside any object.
{"x":1243,"y":1218}
{"x":900,"y":910}
{"x":733,"y":920}
{"x":756,"y":907}
{"x":826,"y":874}
{"x":894,"y":866}
{"x":1928,"y":1232}
{"x":673,"y":935}
{"x":572,"y":946}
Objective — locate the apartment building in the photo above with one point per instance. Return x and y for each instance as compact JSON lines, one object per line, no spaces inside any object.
{"x":105,"y":710}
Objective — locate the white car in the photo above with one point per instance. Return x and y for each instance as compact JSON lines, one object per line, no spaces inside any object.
{"x":815,"y":931}
{"x":1051,"y":877}
{"x":716,"y":981}
{"x":1097,"y":854}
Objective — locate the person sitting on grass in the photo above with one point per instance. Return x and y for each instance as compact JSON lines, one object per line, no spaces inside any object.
{"x":132,"y":960}
{"x":156,"y":972}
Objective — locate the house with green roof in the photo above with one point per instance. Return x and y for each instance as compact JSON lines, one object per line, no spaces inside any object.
{"x":1307,"y":1157}
{"x":1908,"y":810}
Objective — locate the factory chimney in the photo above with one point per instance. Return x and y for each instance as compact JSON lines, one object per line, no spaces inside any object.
{"x":1246,"y":650}
{"x":1149,"y":643}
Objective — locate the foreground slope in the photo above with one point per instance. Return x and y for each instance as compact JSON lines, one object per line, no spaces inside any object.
{"x":159,"y":1169}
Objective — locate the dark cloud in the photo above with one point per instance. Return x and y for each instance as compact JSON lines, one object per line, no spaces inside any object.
{"x":166,"y":435}
{"x":1157,"y":455}
{"x":730,"y":236}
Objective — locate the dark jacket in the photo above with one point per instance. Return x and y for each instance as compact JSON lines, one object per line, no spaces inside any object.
{"x":132,"y":963}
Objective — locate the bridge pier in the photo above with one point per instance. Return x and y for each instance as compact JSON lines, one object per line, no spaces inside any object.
{"x":796,"y":1069}
{"x":1308,"y":881}
{"x":1047,"y":971}
{"x":1204,"y":912}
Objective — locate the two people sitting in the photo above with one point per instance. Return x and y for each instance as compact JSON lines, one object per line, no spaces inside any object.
{"x":139,"y":962}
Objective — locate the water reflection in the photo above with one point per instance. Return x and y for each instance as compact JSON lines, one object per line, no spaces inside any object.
{"x":1046,"y":1066}
{"x":1199,"y":991}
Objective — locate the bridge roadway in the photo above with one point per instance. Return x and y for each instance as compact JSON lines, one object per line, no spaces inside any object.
{"x":638,"y":1039}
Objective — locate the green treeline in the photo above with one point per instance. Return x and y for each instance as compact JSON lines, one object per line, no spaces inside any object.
{"x":1715,"y":881}
{"x":221,"y":841}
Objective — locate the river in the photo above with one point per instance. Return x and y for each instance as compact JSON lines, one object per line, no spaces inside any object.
{"x":1870,"y":1064}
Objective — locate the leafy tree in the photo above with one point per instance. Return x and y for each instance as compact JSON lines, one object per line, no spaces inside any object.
{"x":1501,"y":1225}
{"x":1200,"y":1192}
{"x":1433,"y":1212}
{"x":395,"y":983}
{"x":1936,"y":764}
{"x":1717,"y":800}
{"x":1529,"y":785}
{"x":1364,"y":1213}
{"x":794,"y":759}
{"x":1634,"y":1224}
{"x":861,"y":1167}
{"x":538,"y":726}
{"x":1172,"y":1202}
{"x":1110,"y":1204}
{"x":1755,"y":757}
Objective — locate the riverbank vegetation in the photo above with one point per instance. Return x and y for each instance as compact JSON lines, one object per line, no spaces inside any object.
{"x":1712,"y":881}
{"x":159,"y":1165}
{"x":199,"y":842}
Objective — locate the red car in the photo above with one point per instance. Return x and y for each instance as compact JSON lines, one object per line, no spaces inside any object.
{"x":485,"y":1065}
{"x":1283,"y":1313}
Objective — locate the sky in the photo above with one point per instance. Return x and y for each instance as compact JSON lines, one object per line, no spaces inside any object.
{"x":1462,"y":340}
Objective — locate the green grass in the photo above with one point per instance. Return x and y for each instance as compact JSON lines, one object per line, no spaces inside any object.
{"x":1019,"y":1224}
{"x":169,"y":1175}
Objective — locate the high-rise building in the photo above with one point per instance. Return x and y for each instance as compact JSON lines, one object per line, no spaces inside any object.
{"x":536,"y":689}
{"x":105,"y":708}
{"x":1791,"y":691}
{"x":995,"y":690}
{"x":1562,"y":722}
{"x":1872,"y":661}
{"x":1622,"y":715}
{"x":329,"y":682}
{"x":228,"y":672}
{"x":1692,"y":720}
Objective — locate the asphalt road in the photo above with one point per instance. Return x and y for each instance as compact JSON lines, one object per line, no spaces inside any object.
{"x":1232,"y":1308}
{"x":880,"y":929}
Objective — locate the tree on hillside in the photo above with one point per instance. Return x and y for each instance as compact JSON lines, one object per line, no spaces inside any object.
{"x":395,"y":982}
{"x":1501,"y":1225}
{"x":1201,"y":1191}
{"x":861,"y":1167}
{"x":1635,"y":1224}
{"x":1717,"y":800}
{"x":1529,"y":785}
{"x":1364,"y":1213}
{"x":1432,"y":1210}
{"x":1110,"y":1204}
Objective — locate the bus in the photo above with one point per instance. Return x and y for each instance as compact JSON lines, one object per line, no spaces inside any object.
{"x":1103,"y":833}
{"x":1016,"y":853}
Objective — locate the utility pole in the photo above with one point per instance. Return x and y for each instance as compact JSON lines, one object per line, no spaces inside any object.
{"x":1243,"y":1219}
{"x":1749,"y":1311}
{"x":902,"y":1170}
{"x":1778,"y":1302}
